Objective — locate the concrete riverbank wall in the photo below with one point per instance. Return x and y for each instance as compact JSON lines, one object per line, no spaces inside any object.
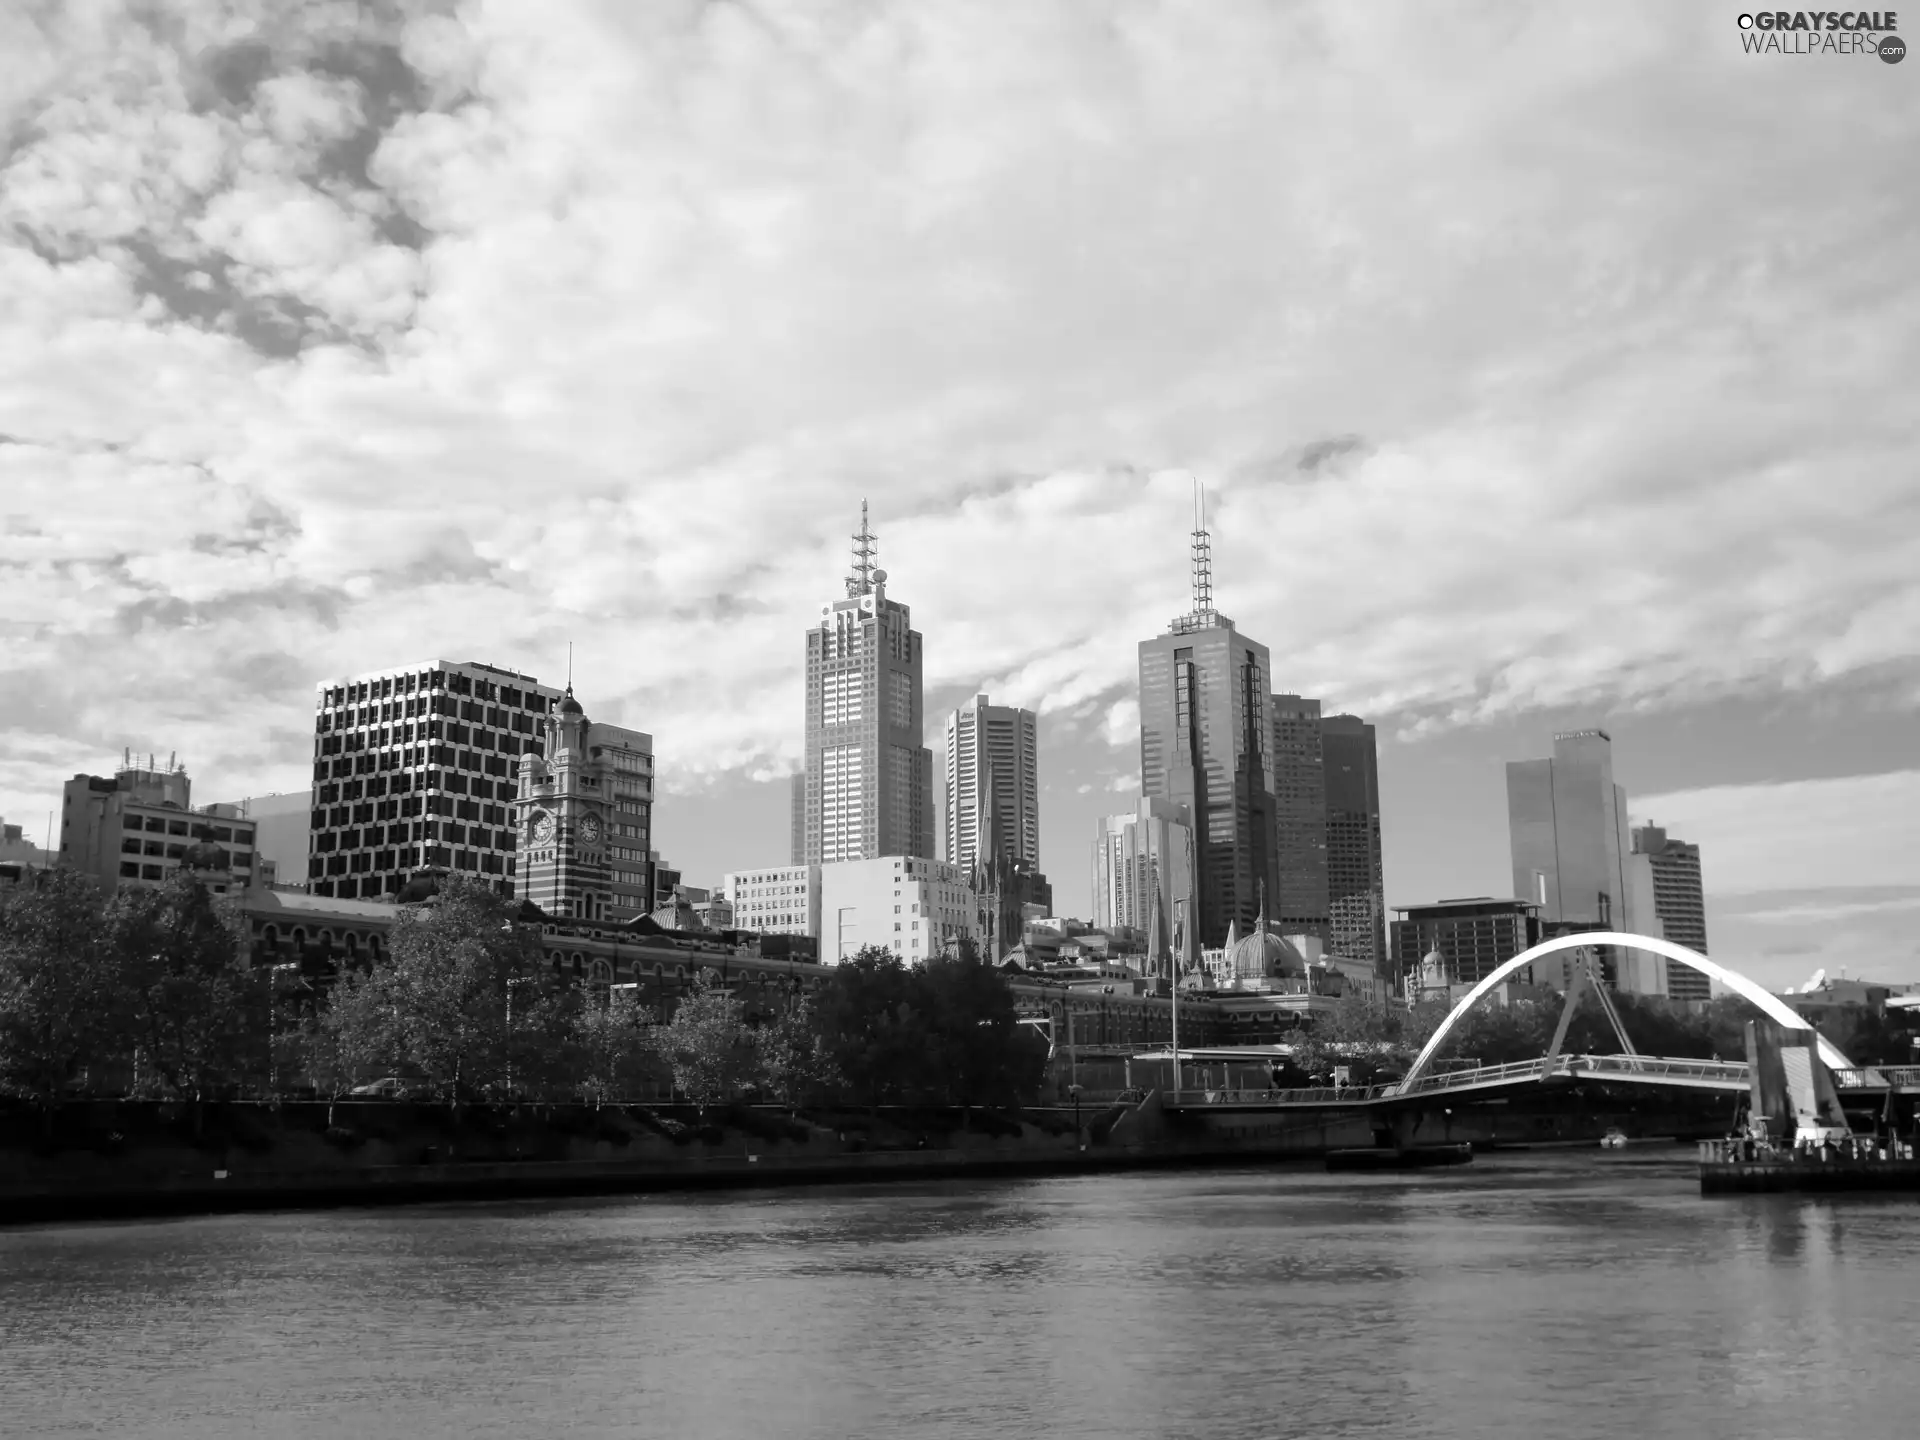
{"x":107,"y":1158}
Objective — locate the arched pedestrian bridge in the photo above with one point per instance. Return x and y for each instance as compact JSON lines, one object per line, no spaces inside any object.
{"x":1424,"y":1081}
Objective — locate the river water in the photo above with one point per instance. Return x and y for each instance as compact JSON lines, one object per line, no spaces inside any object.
{"x":1544,"y":1294}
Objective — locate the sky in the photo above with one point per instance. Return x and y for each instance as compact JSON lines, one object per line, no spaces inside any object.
{"x":1547,"y":367}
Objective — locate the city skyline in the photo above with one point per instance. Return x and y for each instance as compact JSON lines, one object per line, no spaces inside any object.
{"x":359,"y":378}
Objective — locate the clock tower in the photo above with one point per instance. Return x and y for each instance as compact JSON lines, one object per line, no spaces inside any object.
{"x":564,"y":812}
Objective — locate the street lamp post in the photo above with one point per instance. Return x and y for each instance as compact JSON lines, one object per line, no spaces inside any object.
{"x":1079,"y":1135}
{"x":511,"y":982}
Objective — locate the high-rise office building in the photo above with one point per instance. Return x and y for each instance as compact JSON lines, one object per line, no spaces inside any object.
{"x":992,"y":785}
{"x":868,"y":786}
{"x":1137,"y":857}
{"x":1356,"y":876}
{"x":1300,"y":819}
{"x":1670,"y":870}
{"x":415,"y":767}
{"x":583,"y":810}
{"x":1205,"y":742}
{"x":138,"y":827}
{"x":1474,"y":936}
{"x":1567,"y":827}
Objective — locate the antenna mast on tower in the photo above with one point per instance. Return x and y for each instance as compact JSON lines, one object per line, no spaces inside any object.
{"x":1202,"y":616}
{"x":1202,"y":554}
{"x":860,"y":582}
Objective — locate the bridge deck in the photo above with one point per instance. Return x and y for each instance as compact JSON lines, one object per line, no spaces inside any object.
{"x":1725,"y":1076}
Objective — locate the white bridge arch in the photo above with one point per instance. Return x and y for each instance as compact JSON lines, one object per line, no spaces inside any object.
{"x":1768,"y":1003}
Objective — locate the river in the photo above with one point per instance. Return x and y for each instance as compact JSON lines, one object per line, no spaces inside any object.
{"x":1545,"y":1294}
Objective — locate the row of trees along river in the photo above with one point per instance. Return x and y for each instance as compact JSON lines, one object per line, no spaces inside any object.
{"x":145,"y":996}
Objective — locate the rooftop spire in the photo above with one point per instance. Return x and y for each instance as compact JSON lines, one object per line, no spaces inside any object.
{"x":1202,"y":616}
{"x":1202,"y":554}
{"x":860,"y":581}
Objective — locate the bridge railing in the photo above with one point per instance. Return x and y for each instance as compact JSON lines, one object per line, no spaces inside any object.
{"x":1308,"y":1095}
{"x":1462,"y":1079}
{"x":1878,"y":1077}
{"x":1647,"y":1066}
{"x":1658,"y":1065}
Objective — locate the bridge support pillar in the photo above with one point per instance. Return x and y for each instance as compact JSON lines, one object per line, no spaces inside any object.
{"x":1405,"y":1125}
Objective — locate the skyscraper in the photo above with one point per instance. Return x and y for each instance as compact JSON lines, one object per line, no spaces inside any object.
{"x":1567,"y":827}
{"x":1137,"y":857}
{"x":1300,"y":818}
{"x":868,"y":785}
{"x":992,"y":785}
{"x":1356,"y":878}
{"x":584,"y":812}
{"x":1678,"y":903}
{"x":1205,"y":742}
{"x":414,"y":767}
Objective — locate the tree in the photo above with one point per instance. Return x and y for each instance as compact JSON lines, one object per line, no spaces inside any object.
{"x":978,"y":1054}
{"x":877,"y":1038}
{"x":796,"y":1062}
{"x":946,"y":1031}
{"x":1366,"y":1032}
{"x":459,"y":1001}
{"x":56,"y":987}
{"x":614,"y":1046}
{"x":196,"y":1014}
{"x":354,"y":1039}
{"x":707,"y":1044}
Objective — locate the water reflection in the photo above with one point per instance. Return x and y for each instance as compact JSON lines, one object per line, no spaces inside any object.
{"x":1548,"y":1293}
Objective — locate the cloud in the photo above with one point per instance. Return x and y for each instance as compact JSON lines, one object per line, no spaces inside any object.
{"x":1827,"y":909}
{"x":1857,"y":830}
{"x":354,"y":334}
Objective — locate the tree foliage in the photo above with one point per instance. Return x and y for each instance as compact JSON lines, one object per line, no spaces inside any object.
{"x":196,"y":1014}
{"x":707,"y":1044}
{"x":460,"y":1006}
{"x":615,"y":1049}
{"x":57,"y":993}
{"x":795,"y":1060}
{"x":944,"y":1032}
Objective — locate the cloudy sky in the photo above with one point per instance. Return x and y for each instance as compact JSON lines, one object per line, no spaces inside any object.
{"x":1549,"y":366}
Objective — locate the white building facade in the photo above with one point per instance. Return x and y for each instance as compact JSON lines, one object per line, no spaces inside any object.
{"x":913,"y":906}
{"x":991,"y":795}
{"x":782,"y":900}
{"x":1136,"y":855}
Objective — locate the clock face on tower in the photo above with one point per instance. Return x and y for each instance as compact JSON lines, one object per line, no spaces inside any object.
{"x":542,"y":827}
{"x":590,"y":829}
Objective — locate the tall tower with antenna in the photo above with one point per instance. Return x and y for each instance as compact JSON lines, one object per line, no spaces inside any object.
{"x":867,"y":789}
{"x":1206,"y":745}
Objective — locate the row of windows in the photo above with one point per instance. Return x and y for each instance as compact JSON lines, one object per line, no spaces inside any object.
{"x":388,"y":687}
{"x":167,"y":825}
{"x":176,"y":851}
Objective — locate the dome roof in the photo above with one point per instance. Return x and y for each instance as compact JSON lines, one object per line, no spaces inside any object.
{"x":568,"y":705}
{"x":1262,"y":954}
{"x":678,"y":916}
